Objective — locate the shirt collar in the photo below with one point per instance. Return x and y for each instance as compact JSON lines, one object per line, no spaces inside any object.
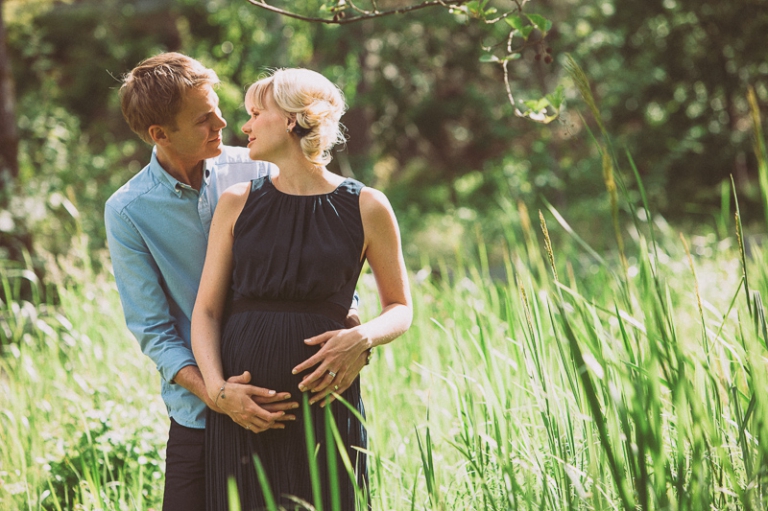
{"x":171,"y":182}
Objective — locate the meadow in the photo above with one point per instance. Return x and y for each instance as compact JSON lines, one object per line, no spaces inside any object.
{"x":630,"y":380}
{"x":538,"y":374}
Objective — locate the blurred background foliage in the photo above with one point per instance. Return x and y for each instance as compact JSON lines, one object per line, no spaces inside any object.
{"x":430,"y":122}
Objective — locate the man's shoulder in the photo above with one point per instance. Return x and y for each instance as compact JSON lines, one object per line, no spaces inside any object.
{"x":232,"y":154}
{"x":234,"y":165}
{"x":136,"y":187}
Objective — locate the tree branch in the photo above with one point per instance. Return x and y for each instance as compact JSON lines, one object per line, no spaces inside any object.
{"x":339,"y":20}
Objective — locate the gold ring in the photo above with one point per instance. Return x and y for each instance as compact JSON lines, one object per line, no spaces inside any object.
{"x":335,"y":387}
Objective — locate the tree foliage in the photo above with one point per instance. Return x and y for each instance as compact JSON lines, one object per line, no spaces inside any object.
{"x":431,"y":120}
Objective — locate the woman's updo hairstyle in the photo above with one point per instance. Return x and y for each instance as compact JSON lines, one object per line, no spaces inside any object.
{"x":311,"y":99}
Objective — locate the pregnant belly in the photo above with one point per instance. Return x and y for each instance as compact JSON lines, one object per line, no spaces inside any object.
{"x":270,"y":345}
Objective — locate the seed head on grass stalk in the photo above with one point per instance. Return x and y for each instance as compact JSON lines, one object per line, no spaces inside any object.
{"x":742,"y":251}
{"x":758,"y":141}
{"x":581,"y":81}
{"x":548,"y":246}
{"x":613,"y":196}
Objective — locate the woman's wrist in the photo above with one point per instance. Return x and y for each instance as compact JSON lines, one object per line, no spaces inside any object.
{"x":220,"y":394}
{"x":214,"y":389}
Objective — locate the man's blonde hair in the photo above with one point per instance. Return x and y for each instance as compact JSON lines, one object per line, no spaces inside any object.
{"x":153,"y":91}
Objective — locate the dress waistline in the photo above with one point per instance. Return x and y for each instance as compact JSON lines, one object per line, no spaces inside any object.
{"x":331,"y":310}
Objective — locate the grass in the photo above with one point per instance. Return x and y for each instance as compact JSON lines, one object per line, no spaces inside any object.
{"x":572,"y":384}
{"x":578,"y":381}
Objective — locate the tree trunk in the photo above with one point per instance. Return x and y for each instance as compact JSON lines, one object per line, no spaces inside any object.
{"x":9,"y":141}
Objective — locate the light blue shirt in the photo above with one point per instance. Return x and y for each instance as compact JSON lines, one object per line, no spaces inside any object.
{"x":157,"y":230}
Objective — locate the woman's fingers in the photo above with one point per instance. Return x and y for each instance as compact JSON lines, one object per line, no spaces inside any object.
{"x":313,"y":379}
{"x":320,"y":339}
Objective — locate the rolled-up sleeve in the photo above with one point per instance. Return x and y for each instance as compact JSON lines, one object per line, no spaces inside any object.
{"x":143,"y":296}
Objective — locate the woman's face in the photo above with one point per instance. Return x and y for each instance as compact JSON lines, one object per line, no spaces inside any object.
{"x":267,"y":130}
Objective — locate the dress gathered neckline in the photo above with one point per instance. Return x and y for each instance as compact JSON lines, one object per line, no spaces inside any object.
{"x":335,"y":190}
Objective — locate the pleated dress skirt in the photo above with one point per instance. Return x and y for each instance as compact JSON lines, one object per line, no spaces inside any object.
{"x":269,"y":344}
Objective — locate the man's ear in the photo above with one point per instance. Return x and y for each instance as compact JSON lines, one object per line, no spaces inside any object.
{"x":158,"y":134}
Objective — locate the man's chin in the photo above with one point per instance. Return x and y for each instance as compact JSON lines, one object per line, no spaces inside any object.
{"x":216,"y":150}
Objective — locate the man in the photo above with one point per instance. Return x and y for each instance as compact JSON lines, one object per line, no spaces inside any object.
{"x":157,"y":229}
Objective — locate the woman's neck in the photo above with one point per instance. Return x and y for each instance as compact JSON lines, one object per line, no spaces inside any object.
{"x":298,"y":176}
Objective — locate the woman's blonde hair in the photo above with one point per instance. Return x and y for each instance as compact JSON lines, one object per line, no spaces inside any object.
{"x":315,"y":103}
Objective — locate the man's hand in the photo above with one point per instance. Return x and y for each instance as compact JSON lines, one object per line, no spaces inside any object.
{"x":254,"y":408}
{"x":352,"y":320}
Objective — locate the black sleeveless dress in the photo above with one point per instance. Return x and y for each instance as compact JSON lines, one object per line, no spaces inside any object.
{"x":296,"y":264}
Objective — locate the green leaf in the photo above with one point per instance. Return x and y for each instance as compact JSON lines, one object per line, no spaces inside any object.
{"x":526,"y":31}
{"x":541,"y":22}
{"x":537,"y":104}
{"x":557,"y":97}
{"x":473,"y":6}
{"x":515,"y":22}
{"x":489,"y":57}
{"x":511,"y":56}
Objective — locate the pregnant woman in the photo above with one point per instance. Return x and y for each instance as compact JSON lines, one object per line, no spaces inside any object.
{"x":290,"y":247}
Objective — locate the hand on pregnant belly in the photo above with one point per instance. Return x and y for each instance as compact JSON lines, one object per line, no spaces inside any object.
{"x":255,"y":408}
{"x":341,"y":357}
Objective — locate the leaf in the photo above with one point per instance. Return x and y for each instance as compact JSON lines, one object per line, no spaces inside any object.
{"x":557,"y":97}
{"x":515,"y":21}
{"x":541,"y":22}
{"x":489,"y":57}
{"x":537,"y":104}
{"x":511,"y":56}
{"x":526,"y":31}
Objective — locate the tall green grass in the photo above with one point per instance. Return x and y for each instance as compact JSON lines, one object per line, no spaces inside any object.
{"x":577,"y":381}
{"x":581,"y":386}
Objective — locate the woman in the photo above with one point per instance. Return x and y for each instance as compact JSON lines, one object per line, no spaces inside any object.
{"x":291,"y":247}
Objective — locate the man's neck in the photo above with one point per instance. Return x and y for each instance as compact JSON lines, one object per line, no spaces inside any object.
{"x":185,"y":171}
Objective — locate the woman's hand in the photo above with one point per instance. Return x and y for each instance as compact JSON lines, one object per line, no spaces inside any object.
{"x":254,"y":408}
{"x":342,"y":355}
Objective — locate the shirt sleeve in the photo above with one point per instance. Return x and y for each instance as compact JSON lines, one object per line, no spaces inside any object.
{"x":142,"y":294}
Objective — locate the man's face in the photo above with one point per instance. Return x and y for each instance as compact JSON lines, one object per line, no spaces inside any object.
{"x":198,"y":126}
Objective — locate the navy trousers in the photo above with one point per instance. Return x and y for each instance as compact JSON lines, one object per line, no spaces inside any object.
{"x":184,"y":469}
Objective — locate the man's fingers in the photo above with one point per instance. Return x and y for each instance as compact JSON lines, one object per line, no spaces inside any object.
{"x":262,"y":400}
{"x":240,"y":378}
{"x":280,"y":407}
{"x":260,"y":392}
